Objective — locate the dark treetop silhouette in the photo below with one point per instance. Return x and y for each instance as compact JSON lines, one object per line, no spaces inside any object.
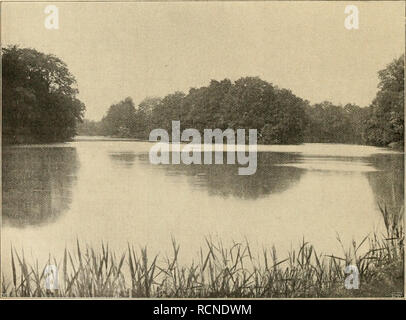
{"x":279,"y":116}
{"x":39,"y":98}
{"x":40,"y":105}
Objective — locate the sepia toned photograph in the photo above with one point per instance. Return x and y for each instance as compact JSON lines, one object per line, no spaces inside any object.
{"x":202,"y":149}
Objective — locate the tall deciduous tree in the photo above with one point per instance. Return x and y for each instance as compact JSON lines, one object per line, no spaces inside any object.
{"x":39,"y":97}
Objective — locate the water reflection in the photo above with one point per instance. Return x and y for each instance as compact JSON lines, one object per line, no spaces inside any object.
{"x":388,"y":182}
{"x":224,"y":181}
{"x":118,"y":197}
{"x":38,"y":181}
{"x":37,"y":184}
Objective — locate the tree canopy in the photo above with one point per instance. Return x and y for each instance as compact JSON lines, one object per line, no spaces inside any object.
{"x":39,"y":97}
{"x":329,"y":123}
{"x":385,"y":122}
{"x":277,"y":114}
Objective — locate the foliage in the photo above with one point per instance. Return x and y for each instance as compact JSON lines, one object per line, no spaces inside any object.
{"x":89,"y":128}
{"x":329,"y":123}
{"x":120,"y":119}
{"x":39,"y":97}
{"x":40,"y":105}
{"x":277,"y":114}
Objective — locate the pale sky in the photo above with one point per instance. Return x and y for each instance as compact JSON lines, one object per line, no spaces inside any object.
{"x":144,"y":49}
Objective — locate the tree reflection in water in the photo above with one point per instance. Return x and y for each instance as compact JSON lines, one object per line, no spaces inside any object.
{"x":37,"y":184}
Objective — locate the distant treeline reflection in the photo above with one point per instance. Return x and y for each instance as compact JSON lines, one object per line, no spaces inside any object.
{"x":223,"y":180}
{"x":38,"y":182}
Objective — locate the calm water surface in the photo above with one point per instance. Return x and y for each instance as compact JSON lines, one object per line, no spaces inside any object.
{"x":108,"y":191}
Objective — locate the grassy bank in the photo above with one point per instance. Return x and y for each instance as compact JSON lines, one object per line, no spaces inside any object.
{"x":221,"y":272}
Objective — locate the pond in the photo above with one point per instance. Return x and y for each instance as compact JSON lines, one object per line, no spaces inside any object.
{"x":102,"y":190}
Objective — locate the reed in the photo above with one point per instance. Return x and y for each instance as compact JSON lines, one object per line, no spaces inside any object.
{"x":220,"y":271}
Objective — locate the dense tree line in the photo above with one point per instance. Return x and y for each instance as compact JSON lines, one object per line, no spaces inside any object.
{"x":380,"y":124}
{"x":39,"y":97}
{"x":279,"y":116}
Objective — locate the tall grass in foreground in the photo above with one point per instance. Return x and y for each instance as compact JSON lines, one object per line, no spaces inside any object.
{"x":220,"y":271}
